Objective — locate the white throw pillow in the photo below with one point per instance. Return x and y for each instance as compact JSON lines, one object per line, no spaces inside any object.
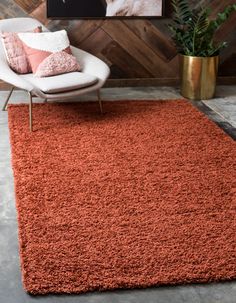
{"x":43,"y":46}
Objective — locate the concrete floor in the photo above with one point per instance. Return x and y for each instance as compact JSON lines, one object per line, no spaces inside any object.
{"x":222,"y":110}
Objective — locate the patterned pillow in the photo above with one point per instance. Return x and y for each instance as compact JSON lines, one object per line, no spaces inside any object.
{"x":56,"y":64}
{"x":15,"y":53}
{"x":49,"y":53}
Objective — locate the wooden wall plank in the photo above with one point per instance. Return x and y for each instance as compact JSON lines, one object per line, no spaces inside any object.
{"x":134,"y":46}
{"x":29,"y":6}
{"x":39,"y":13}
{"x":96,"y":42}
{"x":82,"y":29}
{"x":127,"y":63}
{"x":153,"y":37}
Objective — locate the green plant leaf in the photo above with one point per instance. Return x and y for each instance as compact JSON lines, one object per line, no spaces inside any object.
{"x":193,"y":31}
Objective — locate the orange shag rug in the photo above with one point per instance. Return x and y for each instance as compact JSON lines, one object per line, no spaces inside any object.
{"x":144,"y":195}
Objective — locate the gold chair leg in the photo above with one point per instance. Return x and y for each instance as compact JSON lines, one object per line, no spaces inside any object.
{"x":100,"y":101}
{"x":30,"y":111}
{"x":8,"y":98}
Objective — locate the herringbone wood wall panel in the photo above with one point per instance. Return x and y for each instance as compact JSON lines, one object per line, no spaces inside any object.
{"x":138,"y":51}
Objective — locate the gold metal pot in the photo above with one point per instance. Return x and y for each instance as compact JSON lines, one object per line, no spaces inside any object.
{"x":198,"y":76}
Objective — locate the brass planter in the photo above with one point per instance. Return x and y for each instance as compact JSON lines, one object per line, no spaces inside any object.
{"x":198,"y":76}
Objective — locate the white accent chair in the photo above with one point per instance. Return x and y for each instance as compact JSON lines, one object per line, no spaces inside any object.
{"x":93,"y":76}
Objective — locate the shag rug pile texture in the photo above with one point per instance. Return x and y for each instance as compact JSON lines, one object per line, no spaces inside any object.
{"x":144,"y":195}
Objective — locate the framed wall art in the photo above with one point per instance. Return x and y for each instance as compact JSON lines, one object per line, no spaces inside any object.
{"x":104,"y":8}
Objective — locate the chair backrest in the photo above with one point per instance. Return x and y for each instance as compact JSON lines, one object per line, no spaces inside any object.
{"x":18,"y":25}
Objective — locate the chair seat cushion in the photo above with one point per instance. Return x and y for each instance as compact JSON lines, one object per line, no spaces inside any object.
{"x":61,"y":83}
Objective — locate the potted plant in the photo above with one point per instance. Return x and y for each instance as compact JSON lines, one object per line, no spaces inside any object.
{"x":194,"y":35}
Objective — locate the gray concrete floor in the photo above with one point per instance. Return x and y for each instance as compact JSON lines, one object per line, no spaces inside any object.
{"x":224,"y":104}
{"x":222,"y":110}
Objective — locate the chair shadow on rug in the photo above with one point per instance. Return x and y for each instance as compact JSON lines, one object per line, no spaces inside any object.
{"x":71,"y":114}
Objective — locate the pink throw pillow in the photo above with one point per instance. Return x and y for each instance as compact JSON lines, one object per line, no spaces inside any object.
{"x":56,"y":64}
{"x":15,"y":53}
{"x":49,"y":53}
